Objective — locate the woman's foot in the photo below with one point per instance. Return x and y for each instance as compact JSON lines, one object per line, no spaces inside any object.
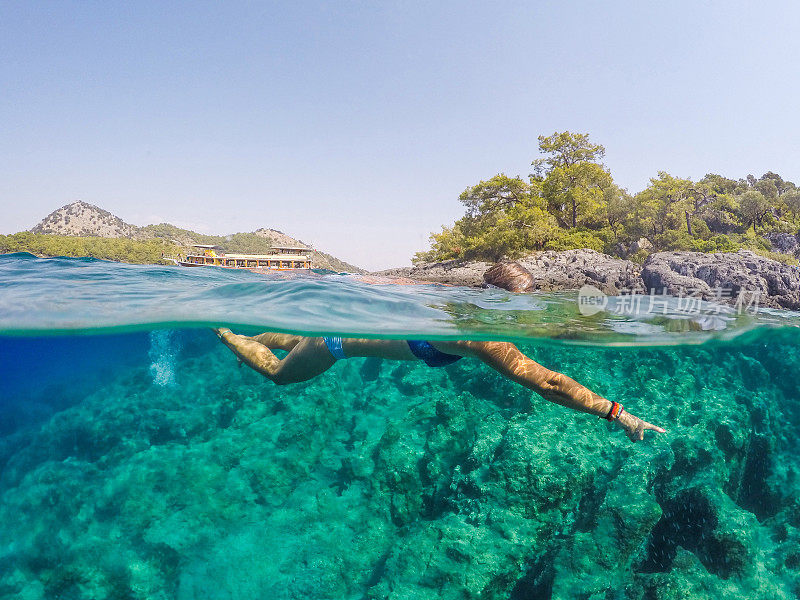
{"x":221,"y":331}
{"x":247,"y":350}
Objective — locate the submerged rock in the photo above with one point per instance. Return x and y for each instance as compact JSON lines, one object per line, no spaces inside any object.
{"x":437,"y":484}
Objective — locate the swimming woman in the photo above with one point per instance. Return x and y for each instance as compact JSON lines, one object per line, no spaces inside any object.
{"x":310,"y":356}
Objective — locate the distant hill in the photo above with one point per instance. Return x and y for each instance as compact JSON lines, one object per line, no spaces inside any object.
{"x":87,"y":220}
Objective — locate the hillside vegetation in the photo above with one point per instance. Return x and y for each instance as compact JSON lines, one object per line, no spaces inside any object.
{"x":85,"y":220}
{"x":257,"y":242}
{"x":570,"y":200}
{"x":83,"y":229}
{"x":118,"y":249}
{"x":245,"y":243}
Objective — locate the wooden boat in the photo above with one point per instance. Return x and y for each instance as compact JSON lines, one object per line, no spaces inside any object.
{"x":281,"y":258}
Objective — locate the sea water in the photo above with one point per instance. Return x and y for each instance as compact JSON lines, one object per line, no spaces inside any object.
{"x":139,"y":460}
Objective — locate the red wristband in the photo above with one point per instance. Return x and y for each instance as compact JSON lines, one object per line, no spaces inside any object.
{"x":614,"y":413}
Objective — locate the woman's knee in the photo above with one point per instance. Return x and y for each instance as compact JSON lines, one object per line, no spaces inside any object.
{"x":278,"y":380}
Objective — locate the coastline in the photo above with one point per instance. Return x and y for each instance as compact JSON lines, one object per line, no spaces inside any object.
{"x":718,"y":276}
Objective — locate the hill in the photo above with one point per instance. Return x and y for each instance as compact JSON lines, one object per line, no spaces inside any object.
{"x":83,"y":220}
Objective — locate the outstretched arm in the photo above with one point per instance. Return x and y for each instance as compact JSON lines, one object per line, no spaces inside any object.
{"x":506,"y":359}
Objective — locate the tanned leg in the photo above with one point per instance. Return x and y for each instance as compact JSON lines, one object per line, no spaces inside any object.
{"x":278,"y":341}
{"x":307,"y":358}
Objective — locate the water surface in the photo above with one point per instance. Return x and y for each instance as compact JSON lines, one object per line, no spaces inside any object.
{"x":137,"y":460}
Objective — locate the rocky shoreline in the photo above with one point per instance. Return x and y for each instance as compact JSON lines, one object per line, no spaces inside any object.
{"x":719,"y":276}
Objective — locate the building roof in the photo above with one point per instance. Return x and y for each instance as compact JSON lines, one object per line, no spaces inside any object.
{"x":210,"y":246}
{"x":265,"y":256}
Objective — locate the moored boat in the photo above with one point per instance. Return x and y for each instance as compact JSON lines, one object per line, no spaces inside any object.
{"x":281,"y":258}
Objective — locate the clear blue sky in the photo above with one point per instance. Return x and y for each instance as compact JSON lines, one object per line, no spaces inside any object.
{"x":355,"y":126}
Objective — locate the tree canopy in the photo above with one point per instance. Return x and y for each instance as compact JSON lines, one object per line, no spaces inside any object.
{"x":117,"y":249}
{"x":570,"y":200}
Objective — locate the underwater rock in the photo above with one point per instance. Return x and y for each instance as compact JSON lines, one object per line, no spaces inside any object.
{"x":395,"y":481}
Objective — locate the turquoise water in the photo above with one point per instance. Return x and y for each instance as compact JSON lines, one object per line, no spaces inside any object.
{"x":137,"y":460}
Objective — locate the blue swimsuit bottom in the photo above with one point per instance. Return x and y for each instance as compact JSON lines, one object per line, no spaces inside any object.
{"x":419,"y":348}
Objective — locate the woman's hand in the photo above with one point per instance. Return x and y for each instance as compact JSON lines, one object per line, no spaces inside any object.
{"x":634,"y":426}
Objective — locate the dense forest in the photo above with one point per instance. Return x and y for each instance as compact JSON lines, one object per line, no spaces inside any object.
{"x":570,"y":200}
{"x":245,"y":243}
{"x":118,"y":249}
{"x":153,"y":244}
{"x":163,"y":238}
